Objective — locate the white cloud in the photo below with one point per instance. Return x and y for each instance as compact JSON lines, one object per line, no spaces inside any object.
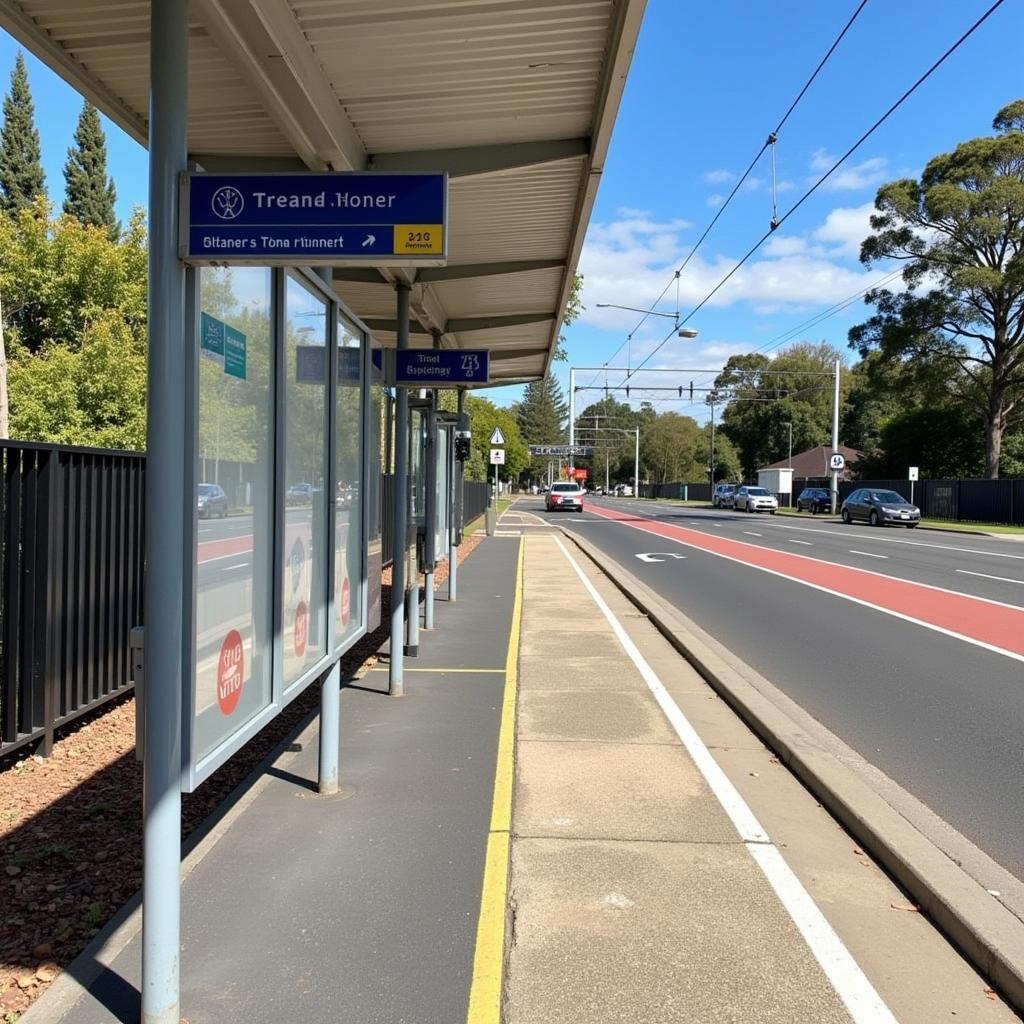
{"x":753,"y":184}
{"x":845,"y":228}
{"x":719,"y":177}
{"x":715,"y":200}
{"x":785,"y":185}
{"x":632,"y":260}
{"x":849,"y":176}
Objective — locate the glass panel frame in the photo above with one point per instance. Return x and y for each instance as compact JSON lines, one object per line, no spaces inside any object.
{"x":199,"y":763}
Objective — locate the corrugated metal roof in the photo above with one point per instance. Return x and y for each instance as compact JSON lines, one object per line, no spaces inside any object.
{"x":515,"y":98}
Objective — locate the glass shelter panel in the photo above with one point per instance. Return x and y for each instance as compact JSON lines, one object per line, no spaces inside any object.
{"x":306,"y":479}
{"x":348,"y":539}
{"x":417,"y":467}
{"x":234,"y":504}
{"x":443,"y":494}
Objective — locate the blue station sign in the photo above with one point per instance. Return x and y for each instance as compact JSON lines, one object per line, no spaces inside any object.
{"x":446,"y":367}
{"x":342,"y":217}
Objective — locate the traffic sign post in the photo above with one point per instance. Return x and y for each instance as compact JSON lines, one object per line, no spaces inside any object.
{"x":358,"y":218}
{"x":912,"y":476}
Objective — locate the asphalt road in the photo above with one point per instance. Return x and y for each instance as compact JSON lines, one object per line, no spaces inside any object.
{"x":939,"y":706}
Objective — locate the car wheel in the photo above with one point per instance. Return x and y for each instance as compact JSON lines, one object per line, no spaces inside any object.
{"x":772,"y":511}
{"x":846,"y":516}
{"x":873,"y":518}
{"x":911,"y":526}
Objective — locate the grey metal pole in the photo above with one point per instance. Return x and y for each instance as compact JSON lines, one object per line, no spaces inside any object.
{"x":330,"y":730}
{"x":453,"y":551}
{"x":572,"y":412}
{"x":166,"y":507}
{"x":636,"y":463}
{"x":834,"y":494}
{"x":712,"y":448}
{"x":400,"y":509}
{"x":430,"y":520}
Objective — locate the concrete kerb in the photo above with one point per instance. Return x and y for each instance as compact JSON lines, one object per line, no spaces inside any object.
{"x":988,"y":934}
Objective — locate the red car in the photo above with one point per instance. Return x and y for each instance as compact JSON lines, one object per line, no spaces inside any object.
{"x":566,"y":497}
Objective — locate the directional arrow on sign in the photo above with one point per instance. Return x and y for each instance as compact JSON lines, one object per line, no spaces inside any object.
{"x":370,"y":239}
{"x":652,"y":556}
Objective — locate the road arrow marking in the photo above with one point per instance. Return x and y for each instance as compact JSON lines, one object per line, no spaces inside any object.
{"x":651,"y":556}
{"x":370,"y":239}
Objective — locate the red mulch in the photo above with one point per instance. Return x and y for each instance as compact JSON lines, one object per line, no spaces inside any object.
{"x":71,"y":827}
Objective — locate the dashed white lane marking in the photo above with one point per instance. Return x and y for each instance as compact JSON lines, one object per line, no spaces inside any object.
{"x":239,"y":565}
{"x":806,"y":543}
{"x":851,"y":985}
{"x":750,"y":533}
{"x":899,"y":540}
{"x":1002,"y":579}
{"x":866,"y":554}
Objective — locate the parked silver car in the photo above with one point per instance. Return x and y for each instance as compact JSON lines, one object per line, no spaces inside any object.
{"x":754,"y":499}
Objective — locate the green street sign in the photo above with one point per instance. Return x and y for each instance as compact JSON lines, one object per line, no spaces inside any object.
{"x":234,"y":352}
{"x":211,"y":334}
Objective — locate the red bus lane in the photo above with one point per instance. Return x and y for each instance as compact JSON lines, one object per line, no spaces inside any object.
{"x":988,"y":623}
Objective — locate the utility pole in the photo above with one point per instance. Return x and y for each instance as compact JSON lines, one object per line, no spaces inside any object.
{"x":636,"y":464}
{"x":790,"y":459}
{"x":572,"y":412}
{"x":834,"y":494}
{"x":712,"y":466}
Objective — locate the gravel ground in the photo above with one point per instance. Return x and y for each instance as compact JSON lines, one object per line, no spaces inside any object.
{"x":71,"y":827}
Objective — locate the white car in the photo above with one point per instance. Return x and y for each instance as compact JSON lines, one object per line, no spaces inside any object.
{"x":755,"y":499}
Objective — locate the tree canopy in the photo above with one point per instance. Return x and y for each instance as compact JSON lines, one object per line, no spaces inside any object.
{"x":89,"y":194}
{"x":959,"y":232}
{"x":21,"y":169}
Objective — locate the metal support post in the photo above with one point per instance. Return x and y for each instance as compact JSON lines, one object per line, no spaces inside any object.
{"x":166,"y":505}
{"x":456,"y":518}
{"x":711,"y":466}
{"x":636,"y":464}
{"x":430,"y":520}
{"x":834,"y":493}
{"x":330,"y":728}
{"x":412,"y":615}
{"x":572,"y":412}
{"x":400,"y":510}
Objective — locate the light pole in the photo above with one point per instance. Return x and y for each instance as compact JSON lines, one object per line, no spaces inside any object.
{"x":684,"y":332}
{"x":834,"y":492}
{"x":789,"y":462}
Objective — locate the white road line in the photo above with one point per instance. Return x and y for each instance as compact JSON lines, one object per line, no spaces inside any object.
{"x":857,"y":600}
{"x":867,"y":554}
{"x":849,"y":981}
{"x":806,"y":543}
{"x":750,"y":533}
{"x":840,"y":533}
{"x":1002,"y":579}
{"x":239,"y":565}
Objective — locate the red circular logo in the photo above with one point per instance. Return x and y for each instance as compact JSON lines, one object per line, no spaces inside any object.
{"x":301,"y":633}
{"x":345,"y":604}
{"x":230,"y":672}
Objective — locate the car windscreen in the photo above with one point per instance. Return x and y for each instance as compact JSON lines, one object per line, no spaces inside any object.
{"x":573,"y":488}
{"x":205,"y":490}
{"x":890,"y":497}
{"x":759,"y":492}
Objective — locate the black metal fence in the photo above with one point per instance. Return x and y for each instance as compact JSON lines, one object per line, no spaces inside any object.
{"x":474,"y":500}
{"x":71,"y":577}
{"x":966,"y":501}
{"x":474,"y":504}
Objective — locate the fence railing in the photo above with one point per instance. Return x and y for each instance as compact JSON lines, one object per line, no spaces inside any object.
{"x":966,"y":501}
{"x":474,"y":500}
{"x":71,"y":577}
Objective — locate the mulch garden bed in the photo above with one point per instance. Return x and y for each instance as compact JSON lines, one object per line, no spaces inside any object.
{"x":71,"y":826}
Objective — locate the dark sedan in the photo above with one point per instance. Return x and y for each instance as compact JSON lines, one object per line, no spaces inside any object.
{"x":813,"y":500}
{"x":211,"y":501}
{"x":879,"y":508}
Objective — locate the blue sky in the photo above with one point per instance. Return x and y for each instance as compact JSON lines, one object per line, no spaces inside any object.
{"x":707,"y":84}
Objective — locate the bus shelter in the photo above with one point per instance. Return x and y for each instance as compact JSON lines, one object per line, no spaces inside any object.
{"x":263,"y":356}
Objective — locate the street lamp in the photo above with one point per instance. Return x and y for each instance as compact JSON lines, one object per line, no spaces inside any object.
{"x":684,"y":332}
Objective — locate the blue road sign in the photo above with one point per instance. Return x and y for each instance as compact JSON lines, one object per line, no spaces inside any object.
{"x":336,"y":217}
{"x":447,"y":367}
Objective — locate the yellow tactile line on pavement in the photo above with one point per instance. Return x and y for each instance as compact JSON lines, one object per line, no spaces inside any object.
{"x":488,"y":958}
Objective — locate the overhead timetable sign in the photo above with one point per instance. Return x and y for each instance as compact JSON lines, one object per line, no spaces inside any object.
{"x":340,"y":217}
{"x":446,"y":367}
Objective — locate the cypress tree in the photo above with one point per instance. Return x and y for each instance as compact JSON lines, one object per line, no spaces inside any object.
{"x":89,"y":193}
{"x":21,"y":168}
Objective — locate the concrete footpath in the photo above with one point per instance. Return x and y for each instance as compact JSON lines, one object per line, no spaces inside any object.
{"x":359,"y":908}
{"x":664,"y":866}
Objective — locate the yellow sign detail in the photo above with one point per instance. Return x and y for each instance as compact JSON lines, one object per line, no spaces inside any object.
{"x":419,"y":238}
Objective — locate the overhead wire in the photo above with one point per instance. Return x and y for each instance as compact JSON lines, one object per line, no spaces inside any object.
{"x":770,"y":141}
{"x":824,"y":177}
